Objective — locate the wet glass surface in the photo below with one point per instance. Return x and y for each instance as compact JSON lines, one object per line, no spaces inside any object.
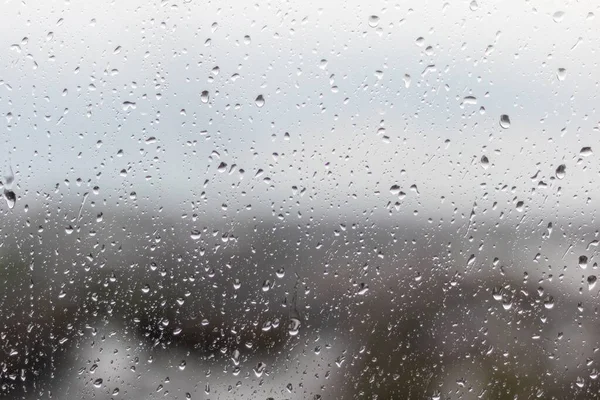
{"x":299,"y":200}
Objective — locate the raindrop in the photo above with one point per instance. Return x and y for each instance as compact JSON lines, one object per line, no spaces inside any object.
{"x":373,"y":21}
{"x":10,"y":198}
{"x":558,"y":16}
{"x":504,"y":121}
{"x":561,"y":171}
{"x":591,"y":280}
{"x":294,"y":326}
{"x":260,"y":101}
{"x":561,"y":74}
{"x":204,"y":96}
{"x":585,"y":152}
{"x":583,"y":262}
{"x":485,"y":162}
{"x":259,"y":369}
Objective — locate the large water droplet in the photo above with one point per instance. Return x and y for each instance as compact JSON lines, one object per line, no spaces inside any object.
{"x":591,"y":280}
{"x":485,"y":162}
{"x":373,"y":21}
{"x":558,"y":16}
{"x":204,"y":96}
{"x":260,"y":101}
{"x":10,"y":197}
{"x":294,"y":326}
{"x":504,"y":121}
{"x":259,"y":369}
{"x":561,"y":171}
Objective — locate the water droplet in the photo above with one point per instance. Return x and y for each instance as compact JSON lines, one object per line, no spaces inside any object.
{"x":260,"y":101}
{"x":10,"y":197}
{"x":266,"y":286}
{"x":558,"y":16}
{"x":395,"y":189}
{"x":583,"y":262}
{"x":129,"y":105}
{"x":407,"y":80}
{"x":485,"y":162}
{"x":473,"y":6}
{"x":259,"y":369}
{"x":280,"y":273}
{"x":561,"y":74}
{"x":235,"y":357}
{"x":586,"y":152}
{"x":195,"y":234}
{"x":520,"y":205}
{"x":294,"y":326}
{"x":561,"y":171}
{"x":504,"y":121}
{"x":591,"y":280}
{"x":204,"y":96}
{"x":98,"y":382}
{"x":549,"y":303}
{"x":373,"y":21}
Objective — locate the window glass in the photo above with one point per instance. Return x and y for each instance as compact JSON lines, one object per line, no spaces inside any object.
{"x":299,"y":200}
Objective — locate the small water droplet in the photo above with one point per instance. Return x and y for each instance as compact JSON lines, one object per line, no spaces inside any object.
{"x":583,"y":262}
{"x":505,"y":121}
{"x":561,"y":74}
{"x":586,"y":152}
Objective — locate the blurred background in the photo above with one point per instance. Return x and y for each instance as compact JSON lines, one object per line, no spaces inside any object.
{"x":299,"y":200}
